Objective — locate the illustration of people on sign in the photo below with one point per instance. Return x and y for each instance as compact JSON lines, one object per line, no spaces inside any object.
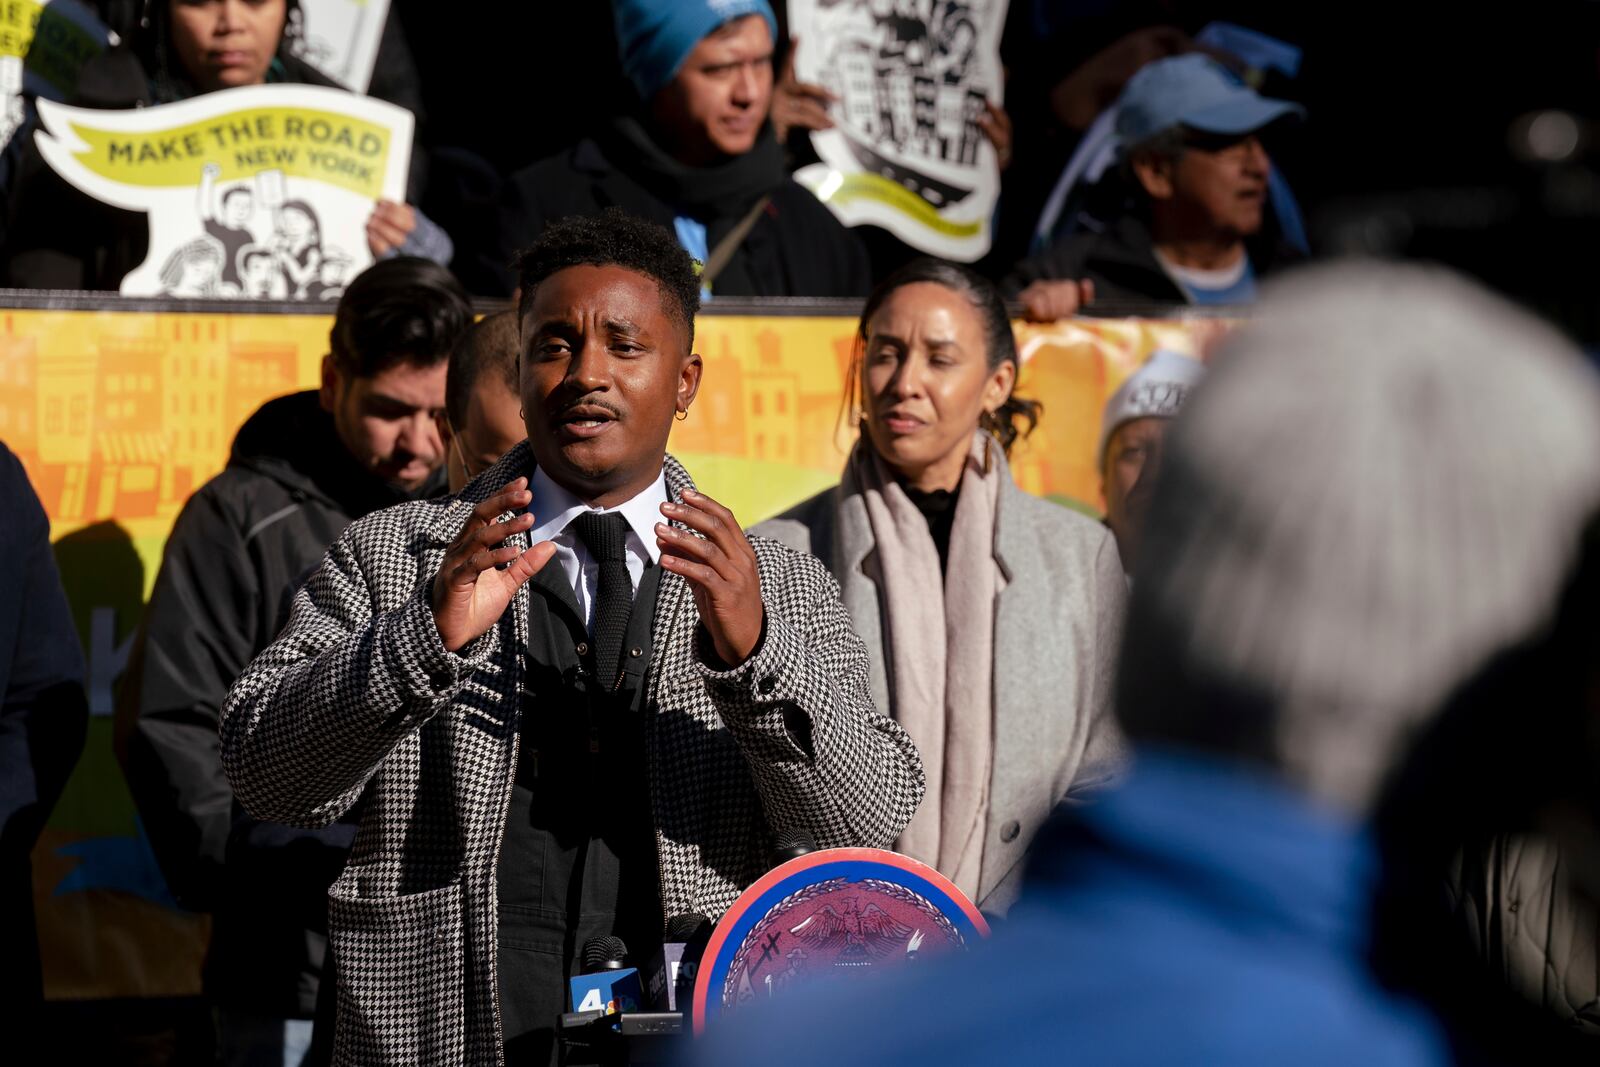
{"x":333,"y":275}
{"x":227,"y":218}
{"x":267,"y":246}
{"x":258,"y":271}
{"x":194,"y":270}
{"x":297,"y":238}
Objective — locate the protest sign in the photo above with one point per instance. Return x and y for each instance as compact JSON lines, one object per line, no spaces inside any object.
{"x":339,"y":38}
{"x":43,"y":46}
{"x":906,"y":151}
{"x":261,"y":192}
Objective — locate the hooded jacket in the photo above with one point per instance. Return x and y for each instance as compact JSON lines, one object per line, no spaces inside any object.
{"x":795,"y":248}
{"x":241,"y":546}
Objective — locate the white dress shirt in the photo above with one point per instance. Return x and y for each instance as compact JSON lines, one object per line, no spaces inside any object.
{"x":553,"y":510}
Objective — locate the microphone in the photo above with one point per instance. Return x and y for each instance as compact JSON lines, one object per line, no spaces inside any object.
{"x":607,"y":985}
{"x":791,"y":844}
{"x":674,"y":969}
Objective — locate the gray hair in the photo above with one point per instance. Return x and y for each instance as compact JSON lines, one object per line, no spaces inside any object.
{"x":1381,"y":484}
{"x":1169,"y":144}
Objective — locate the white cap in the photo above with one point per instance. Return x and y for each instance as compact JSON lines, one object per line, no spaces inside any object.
{"x":1156,"y":390}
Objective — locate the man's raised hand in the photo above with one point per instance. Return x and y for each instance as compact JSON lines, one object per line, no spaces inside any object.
{"x":721,"y":570}
{"x":471,"y":591}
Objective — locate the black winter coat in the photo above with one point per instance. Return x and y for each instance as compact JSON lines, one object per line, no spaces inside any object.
{"x":43,"y":721}
{"x":796,"y":247}
{"x":241,"y":546}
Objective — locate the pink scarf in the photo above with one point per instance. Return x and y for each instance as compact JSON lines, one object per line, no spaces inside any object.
{"x":939,"y":641}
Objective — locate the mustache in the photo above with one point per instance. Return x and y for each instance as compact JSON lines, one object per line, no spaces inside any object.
{"x":561,"y":409}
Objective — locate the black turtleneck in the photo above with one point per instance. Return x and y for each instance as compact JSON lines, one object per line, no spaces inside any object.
{"x":938,"y":506}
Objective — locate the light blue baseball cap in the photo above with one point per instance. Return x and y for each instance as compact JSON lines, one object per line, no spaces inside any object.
{"x":1196,"y":91}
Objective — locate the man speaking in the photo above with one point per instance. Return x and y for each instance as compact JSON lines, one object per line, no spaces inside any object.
{"x":576,"y":697}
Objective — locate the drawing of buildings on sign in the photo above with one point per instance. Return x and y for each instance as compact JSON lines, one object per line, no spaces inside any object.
{"x":908,"y":84}
{"x":858,"y":93}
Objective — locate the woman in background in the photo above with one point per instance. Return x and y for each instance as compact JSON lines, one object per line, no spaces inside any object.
{"x":992,"y":617}
{"x":59,"y":238}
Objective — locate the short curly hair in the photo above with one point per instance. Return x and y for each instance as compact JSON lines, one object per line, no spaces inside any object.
{"x":614,"y":238}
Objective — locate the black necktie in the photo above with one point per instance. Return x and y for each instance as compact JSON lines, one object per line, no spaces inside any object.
{"x":606,"y":537}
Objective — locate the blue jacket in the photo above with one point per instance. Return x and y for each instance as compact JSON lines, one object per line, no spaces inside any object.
{"x":1198,"y":914}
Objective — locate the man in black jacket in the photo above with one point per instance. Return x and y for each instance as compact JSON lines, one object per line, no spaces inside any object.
{"x":698,"y":157}
{"x":303,"y":467}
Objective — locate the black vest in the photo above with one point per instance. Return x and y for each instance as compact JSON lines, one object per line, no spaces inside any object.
{"x":578,"y":858}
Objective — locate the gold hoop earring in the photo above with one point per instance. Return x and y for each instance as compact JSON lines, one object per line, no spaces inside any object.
{"x":681,"y":416}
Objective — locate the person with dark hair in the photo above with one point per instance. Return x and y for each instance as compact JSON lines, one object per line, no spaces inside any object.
{"x":483,"y":412}
{"x":59,"y":238}
{"x":697,"y":155}
{"x":992,"y":617}
{"x":303,"y":467}
{"x":576,"y":697}
{"x":44,"y":718}
{"x":1191,"y":134}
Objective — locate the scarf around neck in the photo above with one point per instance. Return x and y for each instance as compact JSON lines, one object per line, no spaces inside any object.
{"x":939,"y":642}
{"x":727,"y":188}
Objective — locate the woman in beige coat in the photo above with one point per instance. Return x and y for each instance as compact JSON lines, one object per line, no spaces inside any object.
{"x":992,"y":617}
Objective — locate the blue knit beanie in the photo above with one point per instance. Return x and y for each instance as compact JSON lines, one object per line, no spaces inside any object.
{"x":656,"y":36}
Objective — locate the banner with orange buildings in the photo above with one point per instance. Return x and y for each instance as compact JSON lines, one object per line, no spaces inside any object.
{"x":119,"y":415}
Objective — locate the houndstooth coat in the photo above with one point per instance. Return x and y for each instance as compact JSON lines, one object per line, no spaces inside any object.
{"x":358,"y":697}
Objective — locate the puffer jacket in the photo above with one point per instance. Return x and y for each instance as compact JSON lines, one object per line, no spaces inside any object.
{"x":241,"y":545}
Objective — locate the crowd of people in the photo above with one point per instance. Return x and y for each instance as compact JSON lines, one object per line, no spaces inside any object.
{"x":704,"y":133}
{"x":1298,"y":738}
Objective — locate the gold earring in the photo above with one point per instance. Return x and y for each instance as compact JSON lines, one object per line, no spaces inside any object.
{"x":682,"y":415}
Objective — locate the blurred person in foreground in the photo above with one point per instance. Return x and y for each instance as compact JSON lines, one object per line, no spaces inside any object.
{"x":60,"y":238}
{"x":698,"y":156}
{"x":1133,"y":435}
{"x":576,"y":697}
{"x":482,"y":411}
{"x":44,"y":718}
{"x":1377,"y":488}
{"x":303,"y":467}
{"x":1197,"y":172}
{"x":992,"y":617}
